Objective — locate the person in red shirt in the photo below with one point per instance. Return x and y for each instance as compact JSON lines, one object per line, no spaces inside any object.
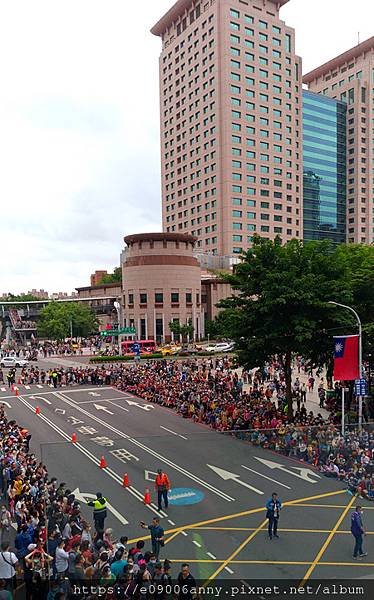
{"x":162,"y":485}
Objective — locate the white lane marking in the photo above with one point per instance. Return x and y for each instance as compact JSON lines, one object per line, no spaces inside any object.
{"x":103,"y":408}
{"x":227,"y":476}
{"x":184,"y":533}
{"x":211,"y":555}
{"x":304,"y":473}
{"x":266,"y":477}
{"x":40,"y":398}
{"x":150,"y":451}
{"x":3,"y":389}
{"x":173,"y":432}
{"x":196,"y":543}
{"x":229,"y":570}
{"x":27,"y":387}
{"x":6,"y":403}
{"x":39,"y":386}
{"x":171,"y":522}
{"x":118,"y":405}
{"x":131,"y":490}
{"x":102,"y":400}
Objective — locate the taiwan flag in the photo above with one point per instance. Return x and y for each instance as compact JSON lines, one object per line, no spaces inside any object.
{"x":346,"y":358}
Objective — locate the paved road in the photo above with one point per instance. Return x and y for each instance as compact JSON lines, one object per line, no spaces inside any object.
{"x":220,"y":484}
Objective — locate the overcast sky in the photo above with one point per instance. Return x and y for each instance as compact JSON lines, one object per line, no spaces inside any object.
{"x":79,"y":126}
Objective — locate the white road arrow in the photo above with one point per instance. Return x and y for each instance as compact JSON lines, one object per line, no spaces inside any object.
{"x":60,"y":411}
{"x":94,"y":394}
{"x":303,"y":474}
{"x":226,"y":476}
{"x":104,"y":408}
{"x":40,"y":398}
{"x":83,"y":497}
{"x":146,"y":407}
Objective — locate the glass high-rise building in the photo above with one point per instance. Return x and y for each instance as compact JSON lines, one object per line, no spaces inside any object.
{"x":324,"y":168}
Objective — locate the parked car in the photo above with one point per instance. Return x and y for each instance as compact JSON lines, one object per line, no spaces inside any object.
{"x":220,"y":347}
{"x":170,"y":349}
{"x":13,"y":361}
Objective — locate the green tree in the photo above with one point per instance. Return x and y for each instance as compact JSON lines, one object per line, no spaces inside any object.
{"x":281,"y":308}
{"x":115,"y":277}
{"x":20,"y":298}
{"x":57,"y":319}
{"x":185,"y":331}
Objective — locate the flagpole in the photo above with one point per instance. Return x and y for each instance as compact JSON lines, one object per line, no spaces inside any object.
{"x":359,"y":355}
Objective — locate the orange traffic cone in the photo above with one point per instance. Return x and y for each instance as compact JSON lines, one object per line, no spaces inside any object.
{"x":103,"y":463}
{"x":147,"y":497}
{"x":126,"y":482}
{"x":19,"y":381}
{"x":17,"y":392}
{"x":74,"y":438}
{"x":37,"y":410}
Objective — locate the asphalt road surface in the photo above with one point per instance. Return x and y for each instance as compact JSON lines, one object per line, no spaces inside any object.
{"x":216,"y":516}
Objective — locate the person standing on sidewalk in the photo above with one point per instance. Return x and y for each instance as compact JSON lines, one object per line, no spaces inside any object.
{"x":358,"y":531}
{"x":162,"y":485}
{"x":273,"y":508}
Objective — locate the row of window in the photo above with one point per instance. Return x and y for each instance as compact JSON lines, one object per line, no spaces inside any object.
{"x":159,"y":298}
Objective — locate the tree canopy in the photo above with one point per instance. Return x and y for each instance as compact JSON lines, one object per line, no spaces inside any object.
{"x":115,"y":277}
{"x":21,"y":298}
{"x":280,"y":307}
{"x":58,"y":319}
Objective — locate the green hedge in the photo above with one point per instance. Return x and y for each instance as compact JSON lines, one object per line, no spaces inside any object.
{"x":126,"y":358}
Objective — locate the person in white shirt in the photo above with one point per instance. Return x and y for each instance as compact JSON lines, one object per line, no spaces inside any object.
{"x":8,"y":561}
{"x":62,"y":559}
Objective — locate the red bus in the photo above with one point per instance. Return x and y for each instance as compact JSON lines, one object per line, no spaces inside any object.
{"x":146,"y":346}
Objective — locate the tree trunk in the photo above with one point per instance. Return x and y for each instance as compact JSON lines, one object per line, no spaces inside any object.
{"x":288,"y":378}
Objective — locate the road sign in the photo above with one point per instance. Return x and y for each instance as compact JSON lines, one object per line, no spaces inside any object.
{"x":361,"y":387}
{"x":185,"y":496}
{"x":121,"y":331}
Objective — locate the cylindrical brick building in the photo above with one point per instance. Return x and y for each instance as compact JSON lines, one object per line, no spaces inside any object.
{"x":161,"y":283}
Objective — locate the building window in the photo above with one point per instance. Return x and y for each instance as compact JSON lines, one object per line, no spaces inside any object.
{"x":159,"y":298}
{"x":174,"y":297}
{"x":143,"y":298}
{"x":131,"y":298}
{"x":188,"y":298}
{"x":143,"y":332}
{"x":159,"y":330}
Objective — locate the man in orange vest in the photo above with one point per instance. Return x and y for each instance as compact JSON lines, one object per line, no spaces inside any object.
{"x":162,"y":485}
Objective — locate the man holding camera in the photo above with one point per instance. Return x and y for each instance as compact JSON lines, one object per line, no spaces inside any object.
{"x":157,"y":535}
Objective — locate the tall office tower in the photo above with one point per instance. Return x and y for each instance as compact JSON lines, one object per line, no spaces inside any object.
{"x":231,"y":123}
{"x":324,"y":168}
{"x":350,"y":78}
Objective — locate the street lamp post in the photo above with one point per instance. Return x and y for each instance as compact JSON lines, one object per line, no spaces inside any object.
{"x":117,"y":306}
{"x":359,"y":354}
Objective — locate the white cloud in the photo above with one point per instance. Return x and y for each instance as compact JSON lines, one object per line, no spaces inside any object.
{"x":79,"y":127}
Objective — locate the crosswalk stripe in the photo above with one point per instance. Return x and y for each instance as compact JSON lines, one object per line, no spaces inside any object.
{"x":27,"y":387}
{"x":3,"y":389}
{"x":39,"y":386}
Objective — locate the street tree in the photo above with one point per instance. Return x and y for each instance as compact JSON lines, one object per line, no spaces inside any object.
{"x":181,"y":330}
{"x":59,"y":319}
{"x":280,"y":307}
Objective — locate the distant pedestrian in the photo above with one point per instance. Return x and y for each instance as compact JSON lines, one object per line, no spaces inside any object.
{"x":358,"y":531}
{"x":162,"y":485}
{"x":273,"y":508}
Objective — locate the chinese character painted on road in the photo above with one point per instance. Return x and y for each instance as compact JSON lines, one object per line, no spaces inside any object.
{"x":86,"y":430}
{"x":123,"y":455}
{"x":74,"y":420}
{"x":103,"y":441}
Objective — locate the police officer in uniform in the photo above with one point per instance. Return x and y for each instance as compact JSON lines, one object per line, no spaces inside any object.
{"x":162,"y":485}
{"x":99,"y":513}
